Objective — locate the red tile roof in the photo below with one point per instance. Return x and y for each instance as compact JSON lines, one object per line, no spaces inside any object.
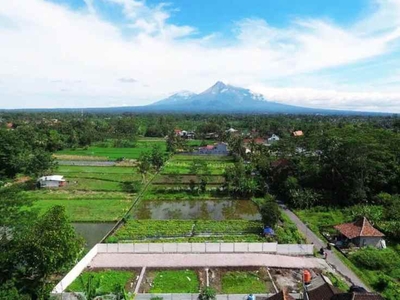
{"x":359,"y":228}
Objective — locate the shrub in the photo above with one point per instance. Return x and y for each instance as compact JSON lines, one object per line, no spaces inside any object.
{"x":207,"y":294}
{"x":376,"y":259}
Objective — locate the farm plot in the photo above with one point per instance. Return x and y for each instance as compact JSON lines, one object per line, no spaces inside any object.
{"x":244,"y":281}
{"x":188,"y":157}
{"x":89,"y":178}
{"x":112,"y":153}
{"x":83,"y":206}
{"x":173,"y":179}
{"x":197,"y":210}
{"x":190,"y":167}
{"x":179,"y":192}
{"x":154,"y":230}
{"x":110,"y":281}
{"x":170,"y":281}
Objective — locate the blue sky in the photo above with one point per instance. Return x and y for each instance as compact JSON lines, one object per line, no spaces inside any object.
{"x":84,"y":53}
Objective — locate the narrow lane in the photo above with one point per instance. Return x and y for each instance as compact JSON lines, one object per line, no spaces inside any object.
{"x":332,"y":258}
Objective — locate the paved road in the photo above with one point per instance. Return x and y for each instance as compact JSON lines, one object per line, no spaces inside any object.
{"x":332,"y":259}
{"x":202,"y":260}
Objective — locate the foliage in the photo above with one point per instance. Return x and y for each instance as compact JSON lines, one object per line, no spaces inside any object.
{"x":238,"y":282}
{"x":87,"y":210}
{"x":376,"y":259}
{"x":141,"y":229}
{"x":176,"y":281}
{"x":34,"y":254}
{"x":240,"y":180}
{"x":207,"y":293}
{"x":24,"y":150}
{"x":101,"y":282}
{"x":338,"y":282}
{"x":270,"y":212}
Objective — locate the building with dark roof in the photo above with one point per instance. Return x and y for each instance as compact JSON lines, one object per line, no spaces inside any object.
{"x":361,"y":233}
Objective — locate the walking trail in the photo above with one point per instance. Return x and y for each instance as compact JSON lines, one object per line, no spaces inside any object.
{"x":332,"y":258}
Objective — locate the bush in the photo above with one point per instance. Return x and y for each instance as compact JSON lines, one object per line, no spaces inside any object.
{"x":376,"y":259}
{"x":207,"y":294}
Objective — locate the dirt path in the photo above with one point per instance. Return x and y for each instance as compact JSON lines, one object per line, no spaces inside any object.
{"x":332,"y":259}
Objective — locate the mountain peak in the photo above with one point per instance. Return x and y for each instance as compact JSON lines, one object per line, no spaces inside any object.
{"x":218,"y":87}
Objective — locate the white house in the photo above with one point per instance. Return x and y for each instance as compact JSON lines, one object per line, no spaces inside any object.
{"x":274,"y":138}
{"x":231,"y":130}
{"x":52,"y":181}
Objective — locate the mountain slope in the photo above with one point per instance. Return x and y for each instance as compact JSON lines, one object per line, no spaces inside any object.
{"x":224,"y":98}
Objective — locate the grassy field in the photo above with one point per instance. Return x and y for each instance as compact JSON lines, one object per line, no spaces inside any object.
{"x":184,"y":167}
{"x":112,"y":153}
{"x":110,"y":281}
{"x":176,"y":281}
{"x":89,"y":178}
{"x":83,"y":206}
{"x":88,"y":210}
{"x":241,"y":282}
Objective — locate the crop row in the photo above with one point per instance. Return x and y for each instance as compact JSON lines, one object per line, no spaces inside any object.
{"x":141,"y":229}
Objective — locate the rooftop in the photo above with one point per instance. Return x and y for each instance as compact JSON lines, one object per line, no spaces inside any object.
{"x":359,"y":228}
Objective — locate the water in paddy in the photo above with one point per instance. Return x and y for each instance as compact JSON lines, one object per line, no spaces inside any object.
{"x":202,"y":209}
{"x":92,"y":232}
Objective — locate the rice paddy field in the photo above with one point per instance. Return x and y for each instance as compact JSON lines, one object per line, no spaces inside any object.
{"x":113,"y":153}
{"x":83,"y":206}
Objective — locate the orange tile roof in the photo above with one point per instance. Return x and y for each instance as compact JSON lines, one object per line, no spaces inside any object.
{"x":361,"y":227}
{"x":298,"y":133}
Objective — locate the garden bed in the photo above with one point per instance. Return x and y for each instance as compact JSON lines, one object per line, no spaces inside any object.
{"x":170,"y":281}
{"x":108,"y":281}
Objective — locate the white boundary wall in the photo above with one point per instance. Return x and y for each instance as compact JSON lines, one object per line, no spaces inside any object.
{"x":75,"y":271}
{"x":191,"y":248}
{"x":272,"y":248}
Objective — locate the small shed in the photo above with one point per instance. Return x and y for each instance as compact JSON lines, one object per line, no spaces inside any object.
{"x":361,"y":233}
{"x":268,"y":231}
{"x":51,"y":181}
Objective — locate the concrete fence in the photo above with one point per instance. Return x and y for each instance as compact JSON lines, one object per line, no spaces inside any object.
{"x":189,"y":248}
{"x":143,"y":248}
{"x":75,"y":271}
{"x":273,"y":248}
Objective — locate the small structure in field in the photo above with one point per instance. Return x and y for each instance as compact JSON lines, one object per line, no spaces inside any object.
{"x":216,"y":149}
{"x":298,"y":133}
{"x":361,"y":233}
{"x":268,"y":232}
{"x":52,"y":181}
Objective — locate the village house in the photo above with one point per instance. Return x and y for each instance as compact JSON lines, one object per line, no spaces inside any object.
{"x":216,"y":149}
{"x":184,"y":134}
{"x":272,"y":139}
{"x":52,"y":181}
{"x":321,"y":288}
{"x":360,"y":233}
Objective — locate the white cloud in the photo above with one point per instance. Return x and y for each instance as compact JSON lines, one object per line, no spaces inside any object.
{"x":57,"y":43}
